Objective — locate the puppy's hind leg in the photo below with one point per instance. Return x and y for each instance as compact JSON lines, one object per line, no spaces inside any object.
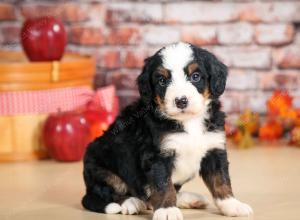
{"x":100,"y":202}
{"x":105,"y":190}
{"x":189,"y":200}
{"x":133,"y":205}
{"x":122,"y":204}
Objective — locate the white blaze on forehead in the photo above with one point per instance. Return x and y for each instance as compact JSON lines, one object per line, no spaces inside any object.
{"x":176,"y":56}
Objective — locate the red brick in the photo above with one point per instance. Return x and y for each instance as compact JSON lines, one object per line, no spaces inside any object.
{"x":256,"y":58}
{"x":123,"y":80}
{"x":280,"y":79}
{"x":237,"y":33}
{"x":86,"y":36}
{"x":252,"y":11}
{"x":297,"y":37}
{"x":270,"y":11}
{"x":160,"y":35}
{"x":256,"y":101}
{"x":74,"y":12}
{"x":199,"y":35}
{"x":96,"y":13}
{"x":123,"y":35}
{"x":109,"y":59}
{"x":10,"y":34}
{"x":38,"y":10}
{"x":237,"y":102}
{"x":205,"y":12}
{"x":7,"y":12}
{"x":288,"y":57}
{"x":232,"y":102}
{"x":134,"y":58}
{"x":242,"y":80}
{"x":141,"y":12}
{"x":274,"y":34}
{"x":296,"y":99}
{"x":69,"y":12}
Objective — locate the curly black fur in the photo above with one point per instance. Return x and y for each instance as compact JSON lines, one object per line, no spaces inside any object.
{"x":130,"y":148}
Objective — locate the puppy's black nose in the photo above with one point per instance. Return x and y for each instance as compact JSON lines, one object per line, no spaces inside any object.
{"x":181,"y":102}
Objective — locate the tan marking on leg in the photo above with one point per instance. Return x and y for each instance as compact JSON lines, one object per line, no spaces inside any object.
{"x":116,"y":183}
{"x":218,"y":187}
{"x":162,"y":199}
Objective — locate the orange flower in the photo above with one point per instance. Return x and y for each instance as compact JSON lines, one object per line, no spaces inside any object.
{"x":295,"y":136}
{"x":237,"y":137}
{"x":280,"y":104}
{"x":271,"y":130}
{"x":297,"y":121}
{"x":249,"y":121}
{"x":97,"y":129}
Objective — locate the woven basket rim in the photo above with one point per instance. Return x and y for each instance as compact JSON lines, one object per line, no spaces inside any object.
{"x":74,"y":70}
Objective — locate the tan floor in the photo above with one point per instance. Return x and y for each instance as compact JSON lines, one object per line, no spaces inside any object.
{"x":266,"y":178}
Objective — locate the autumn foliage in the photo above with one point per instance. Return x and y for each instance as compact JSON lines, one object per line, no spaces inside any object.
{"x":281,"y":118}
{"x":271,"y":130}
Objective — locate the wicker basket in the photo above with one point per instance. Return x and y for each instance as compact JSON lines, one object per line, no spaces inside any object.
{"x":20,"y":138}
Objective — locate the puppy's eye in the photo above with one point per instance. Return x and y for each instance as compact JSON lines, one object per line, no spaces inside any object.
{"x":162,"y":81}
{"x":195,"y":77}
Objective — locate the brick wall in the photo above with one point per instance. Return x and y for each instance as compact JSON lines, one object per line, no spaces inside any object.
{"x":258,"y":40}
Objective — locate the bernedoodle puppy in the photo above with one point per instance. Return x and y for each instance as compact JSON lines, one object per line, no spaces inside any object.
{"x":172,"y":133}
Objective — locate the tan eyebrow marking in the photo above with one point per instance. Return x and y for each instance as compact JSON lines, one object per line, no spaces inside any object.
{"x":191,"y":68}
{"x":163,"y":71}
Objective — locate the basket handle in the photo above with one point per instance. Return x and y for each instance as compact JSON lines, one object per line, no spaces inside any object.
{"x":55,"y":71}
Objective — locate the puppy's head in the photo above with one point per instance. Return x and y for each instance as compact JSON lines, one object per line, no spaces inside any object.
{"x":181,"y":79}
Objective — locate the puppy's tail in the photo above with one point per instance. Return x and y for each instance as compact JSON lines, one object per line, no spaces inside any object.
{"x":94,"y":203}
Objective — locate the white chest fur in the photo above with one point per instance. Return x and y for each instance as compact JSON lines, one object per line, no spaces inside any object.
{"x":190,"y":147}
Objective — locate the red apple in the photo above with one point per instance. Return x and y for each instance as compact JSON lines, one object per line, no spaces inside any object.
{"x":66,"y":135}
{"x":43,"y":39}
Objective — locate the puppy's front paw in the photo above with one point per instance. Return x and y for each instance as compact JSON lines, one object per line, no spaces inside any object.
{"x":233,"y":207}
{"x":113,"y":208}
{"x":132,"y":206}
{"x":171,"y":213}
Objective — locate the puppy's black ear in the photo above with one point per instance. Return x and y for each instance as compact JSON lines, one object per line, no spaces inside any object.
{"x":217,"y":74}
{"x":144,"y":82}
{"x":217,"y":71}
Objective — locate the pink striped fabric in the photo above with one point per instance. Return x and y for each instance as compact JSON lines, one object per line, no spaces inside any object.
{"x":48,"y":101}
